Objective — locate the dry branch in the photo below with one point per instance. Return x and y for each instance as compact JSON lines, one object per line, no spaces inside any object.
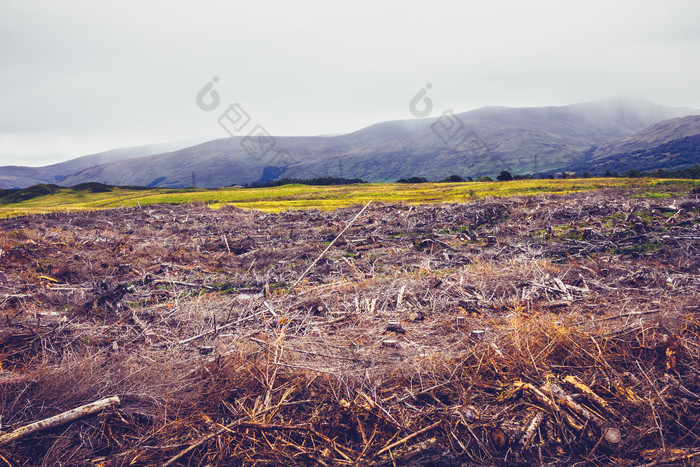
{"x":60,"y":419}
{"x":408,"y":438}
{"x":567,"y":401}
{"x":672,"y":460}
{"x":184,"y":284}
{"x":330,"y":245}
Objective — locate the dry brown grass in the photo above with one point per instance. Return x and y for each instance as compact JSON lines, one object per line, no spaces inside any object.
{"x":377,"y":357}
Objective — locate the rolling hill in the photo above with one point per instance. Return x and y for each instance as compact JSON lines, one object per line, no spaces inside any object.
{"x":22,"y":177}
{"x":669,"y":144}
{"x":480,"y":142}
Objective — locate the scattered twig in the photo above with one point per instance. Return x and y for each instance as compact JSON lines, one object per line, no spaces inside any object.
{"x":225,"y":326}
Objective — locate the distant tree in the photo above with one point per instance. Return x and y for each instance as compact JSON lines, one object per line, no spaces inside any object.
{"x":413,"y":180}
{"x":452,"y":179}
{"x":469,"y":179}
{"x":484,"y":178}
{"x":586,"y":174}
{"x":504,"y":176}
{"x":688,"y":172}
{"x":633,"y":173}
{"x":608,"y":173}
{"x":319,"y":181}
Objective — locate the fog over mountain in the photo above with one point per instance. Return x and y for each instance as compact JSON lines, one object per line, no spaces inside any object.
{"x":81,"y":76}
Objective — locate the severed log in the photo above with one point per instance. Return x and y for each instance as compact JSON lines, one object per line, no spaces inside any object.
{"x":567,"y":401}
{"x":499,"y":438}
{"x":60,"y":419}
{"x":612,"y":435}
{"x":588,"y":393}
{"x":540,"y":397}
{"x":529,"y":434}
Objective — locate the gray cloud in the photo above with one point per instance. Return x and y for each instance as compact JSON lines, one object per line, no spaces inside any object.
{"x":80,"y":76}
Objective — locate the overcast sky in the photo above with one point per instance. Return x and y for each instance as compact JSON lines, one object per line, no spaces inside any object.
{"x":84,"y":76}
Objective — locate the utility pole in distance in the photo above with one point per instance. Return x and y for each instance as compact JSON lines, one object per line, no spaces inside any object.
{"x":194,"y":181}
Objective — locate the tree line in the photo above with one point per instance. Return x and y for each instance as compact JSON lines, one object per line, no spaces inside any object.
{"x":686,"y":173}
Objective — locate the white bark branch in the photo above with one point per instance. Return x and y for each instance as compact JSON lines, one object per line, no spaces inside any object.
{"x":60,"y":419}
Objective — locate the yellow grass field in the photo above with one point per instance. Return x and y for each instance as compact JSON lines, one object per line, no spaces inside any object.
{"x":325,"y":198}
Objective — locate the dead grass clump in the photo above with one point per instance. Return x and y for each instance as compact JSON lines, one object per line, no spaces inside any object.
{"x":548,"y":330}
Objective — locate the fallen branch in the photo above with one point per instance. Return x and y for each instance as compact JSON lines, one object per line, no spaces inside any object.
{"x":225,"y":326}
{"x":330,"y":245}
{"x":60,"y":419}
{"x":631,"y":313}
{"x":184,"y":284}
{"x":408,"y":438}
{"x":672,"y":460}
{"x":337,"y":357}
{"x":529,"y":433}
{"x":419,"y":449}
{"x":199,"y":442}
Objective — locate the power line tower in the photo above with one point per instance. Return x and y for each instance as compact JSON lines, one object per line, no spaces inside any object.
{"x":194,"y":181}
{"x":535,"y":173}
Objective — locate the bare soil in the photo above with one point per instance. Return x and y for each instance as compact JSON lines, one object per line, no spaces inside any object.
{"x":512,"y":331}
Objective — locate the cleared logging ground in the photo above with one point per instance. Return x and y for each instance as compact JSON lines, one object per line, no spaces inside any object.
{"x":546,"y":330}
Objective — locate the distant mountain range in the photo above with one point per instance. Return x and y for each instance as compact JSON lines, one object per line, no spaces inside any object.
{"x":619,"y":133}
{"x":21,"y":177}
{"x":670,"y":144}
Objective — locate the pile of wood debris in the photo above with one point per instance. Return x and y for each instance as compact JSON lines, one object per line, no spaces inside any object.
{"x":547,"y":330}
